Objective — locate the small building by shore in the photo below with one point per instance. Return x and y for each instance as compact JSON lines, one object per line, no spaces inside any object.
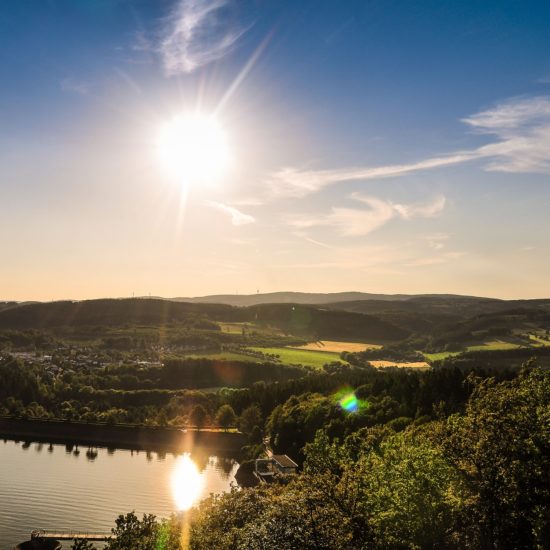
{"x":267,"y":469}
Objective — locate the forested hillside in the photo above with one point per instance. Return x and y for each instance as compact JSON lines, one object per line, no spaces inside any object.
{"x":294,"y":318}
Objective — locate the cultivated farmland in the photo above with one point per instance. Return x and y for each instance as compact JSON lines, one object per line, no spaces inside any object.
{"x":337,"y":347}
{"x":291,"y":356}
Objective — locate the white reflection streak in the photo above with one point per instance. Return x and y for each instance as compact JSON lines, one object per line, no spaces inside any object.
{"x":187,"y":483}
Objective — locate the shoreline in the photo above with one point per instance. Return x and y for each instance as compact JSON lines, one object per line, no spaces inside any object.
{"x":118,"y":436}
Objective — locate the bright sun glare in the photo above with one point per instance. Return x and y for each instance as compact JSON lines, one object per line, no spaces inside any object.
{"x":193,"y":148}
{"x":187,"y":483}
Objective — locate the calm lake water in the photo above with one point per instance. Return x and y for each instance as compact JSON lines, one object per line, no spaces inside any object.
{"x":51,"y":487}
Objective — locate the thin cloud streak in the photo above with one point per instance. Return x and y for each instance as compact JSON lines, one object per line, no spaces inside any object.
{"x":303,"y":235}
{"x":521,"y":128}
{"x":237,"y":217}
{"x":353,"y":222}
{"x":293,"y":182}
{"x":195,"y":36}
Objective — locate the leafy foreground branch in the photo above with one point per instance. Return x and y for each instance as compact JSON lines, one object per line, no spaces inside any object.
{"x":478,"y":480}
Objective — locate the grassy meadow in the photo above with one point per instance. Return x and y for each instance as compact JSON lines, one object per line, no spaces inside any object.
{"x":292,"y":356}
{"x":494,"y":345}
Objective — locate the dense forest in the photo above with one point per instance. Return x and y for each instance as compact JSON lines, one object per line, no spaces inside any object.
{"x":477,"y":478}
{"x":455,"y":454}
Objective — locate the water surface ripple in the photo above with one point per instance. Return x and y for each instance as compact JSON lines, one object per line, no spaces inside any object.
{"x":50,"y":487}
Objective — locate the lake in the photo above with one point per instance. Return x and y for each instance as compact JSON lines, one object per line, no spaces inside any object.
{"x":59,"y":487}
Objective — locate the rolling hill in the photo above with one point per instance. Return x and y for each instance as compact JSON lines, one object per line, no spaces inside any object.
{"x":297,"y":319}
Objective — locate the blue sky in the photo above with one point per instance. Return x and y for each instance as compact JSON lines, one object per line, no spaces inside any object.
{"x":376,"y":146}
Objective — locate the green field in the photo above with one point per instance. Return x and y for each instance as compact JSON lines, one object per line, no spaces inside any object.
{"x":308,"y":358}
{"x":493,"y":345}
{"x":537,"y":341}
{"x":439,"y":355}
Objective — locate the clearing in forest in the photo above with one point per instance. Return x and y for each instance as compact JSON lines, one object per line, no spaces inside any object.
{"x":440,"y":355}
{"x":292,"y":356}
{"x":336,"y":346}
{"x":494,"y":345}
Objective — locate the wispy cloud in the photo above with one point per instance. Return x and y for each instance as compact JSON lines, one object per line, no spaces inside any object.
{"x":520,"y":129}
{"x":303,"y":235}
{"x":293,"y":182}
{"x":421,"y":210}
{"x":355,"y":222}
{"x":73,"y":86}
{"x":237,"y":217}
{"x":510,"y":115}
{"x":196,"y":34}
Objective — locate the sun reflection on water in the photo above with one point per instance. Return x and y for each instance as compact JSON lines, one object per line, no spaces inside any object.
{"x":187,"y":483}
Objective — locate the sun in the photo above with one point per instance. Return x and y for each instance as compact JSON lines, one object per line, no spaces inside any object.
{"x":193,"y":148}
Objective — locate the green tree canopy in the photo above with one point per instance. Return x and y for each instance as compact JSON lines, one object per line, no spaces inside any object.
{"x":225,"y":416}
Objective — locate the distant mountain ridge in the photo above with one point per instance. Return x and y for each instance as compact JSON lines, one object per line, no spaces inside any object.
{"x":312,"y":298}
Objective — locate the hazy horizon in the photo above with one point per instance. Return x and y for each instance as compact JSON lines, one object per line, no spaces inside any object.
{"x":188,"y":148}
{"x":251,"y":294}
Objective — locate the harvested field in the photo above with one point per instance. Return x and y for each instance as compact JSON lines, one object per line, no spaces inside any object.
{"x":337,"y":347}
{"x":410,"y":365}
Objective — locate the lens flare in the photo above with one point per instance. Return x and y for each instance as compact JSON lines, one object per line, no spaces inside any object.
{"x":349,"y":402}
